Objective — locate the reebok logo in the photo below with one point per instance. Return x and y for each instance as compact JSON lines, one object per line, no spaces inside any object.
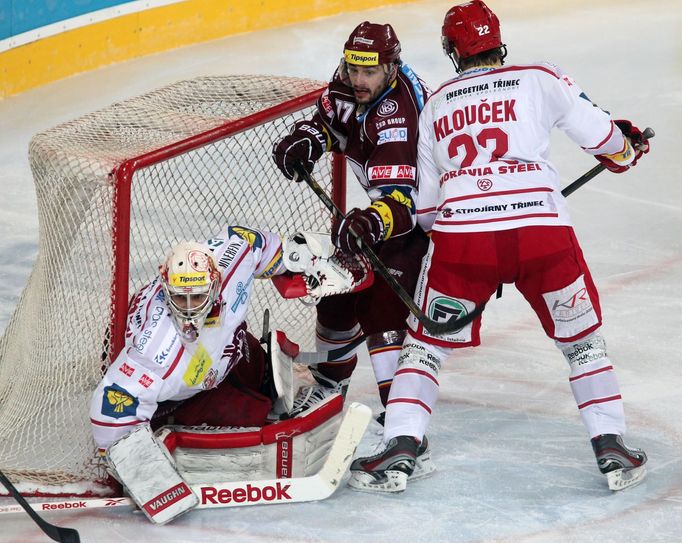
{"x":68,"y":505}
{"x":249,"y":494}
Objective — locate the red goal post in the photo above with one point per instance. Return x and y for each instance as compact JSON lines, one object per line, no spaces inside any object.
{"x":116,"y":189}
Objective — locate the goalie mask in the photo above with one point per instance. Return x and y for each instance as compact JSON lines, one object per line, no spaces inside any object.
{"x":191,"y":282}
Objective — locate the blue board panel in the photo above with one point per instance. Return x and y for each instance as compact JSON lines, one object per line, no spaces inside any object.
{"x":17,"y":16}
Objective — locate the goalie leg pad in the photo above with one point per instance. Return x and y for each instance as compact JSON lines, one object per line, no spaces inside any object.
{"x":145,"y":468}
{"x":296,"y":447}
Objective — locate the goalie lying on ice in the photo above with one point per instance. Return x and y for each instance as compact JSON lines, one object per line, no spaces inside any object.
{"x":189,"y":359}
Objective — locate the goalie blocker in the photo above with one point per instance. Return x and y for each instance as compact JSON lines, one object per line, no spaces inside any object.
{"x":179,"y":467}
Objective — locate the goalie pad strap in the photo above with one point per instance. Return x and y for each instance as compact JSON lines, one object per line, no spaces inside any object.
{"x":295,"y":447}
{"x":214,"y":438}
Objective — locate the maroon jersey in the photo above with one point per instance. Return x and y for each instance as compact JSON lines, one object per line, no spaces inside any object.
{"x":380,"y":139}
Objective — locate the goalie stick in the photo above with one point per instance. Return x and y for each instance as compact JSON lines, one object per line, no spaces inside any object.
{"x":240,"y":493}
{"x":434,"y":327}
{"x":56,"y":533}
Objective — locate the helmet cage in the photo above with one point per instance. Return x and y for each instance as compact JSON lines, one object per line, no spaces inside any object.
{"x":191,"y":283}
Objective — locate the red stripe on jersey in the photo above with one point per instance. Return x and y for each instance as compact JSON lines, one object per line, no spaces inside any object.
{"x":235,"y":266}
{"x":427,"y":210}
{"x":418,"y":372}
{"x":600,"y":400}
{"x":495,"y":71}
{"x":116,"y":424}
{"x":412,"y":401}
{"x":602,"y":142}
{"x":499,"y":219}
{"x":498,"y":193}
{"x":175,"y":362}
{"x":590,"y":373}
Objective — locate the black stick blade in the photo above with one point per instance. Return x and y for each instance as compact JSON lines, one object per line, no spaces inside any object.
{"x":56,"y":533}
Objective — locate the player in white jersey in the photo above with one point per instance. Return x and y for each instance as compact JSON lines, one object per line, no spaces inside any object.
{"x":492,"y":200}
{"x":186,"y":334}
{"x":189,"y":355}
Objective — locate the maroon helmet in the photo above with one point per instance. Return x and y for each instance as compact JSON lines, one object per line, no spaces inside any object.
{"x":371,"y":44}
{"x":471,"y":28}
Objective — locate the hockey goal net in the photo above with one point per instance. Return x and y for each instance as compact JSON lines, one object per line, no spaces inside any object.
{"x":116,"y":189}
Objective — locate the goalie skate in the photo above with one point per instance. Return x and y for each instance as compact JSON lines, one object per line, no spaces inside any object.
{"x":623,"y":467}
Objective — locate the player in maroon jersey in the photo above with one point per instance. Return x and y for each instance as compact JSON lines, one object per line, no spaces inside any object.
{"x":370,"y":112}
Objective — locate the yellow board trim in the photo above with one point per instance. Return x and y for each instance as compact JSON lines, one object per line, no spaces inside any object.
{"x":152,"y":31}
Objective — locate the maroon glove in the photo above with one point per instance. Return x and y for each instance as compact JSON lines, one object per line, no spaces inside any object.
{"x":365,"y":223}
{"x":640,"y":146}
{"x":305,"y":144}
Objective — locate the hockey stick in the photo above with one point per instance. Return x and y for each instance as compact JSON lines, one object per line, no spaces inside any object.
{"x":587,"y":176}
{"x":434,"y":327}
{"x":240,"y":493}
{"x":65,"y":535}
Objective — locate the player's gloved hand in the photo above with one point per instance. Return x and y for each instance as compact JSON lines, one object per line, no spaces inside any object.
{"x":618,"y":163}
{"x":634,"y":134}
{"x":305,"y":144}
{"x":365,"y":223}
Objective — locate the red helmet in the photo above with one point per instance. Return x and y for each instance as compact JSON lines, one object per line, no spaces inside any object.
{"x":472,"y":28}
{"x":371,"y":44}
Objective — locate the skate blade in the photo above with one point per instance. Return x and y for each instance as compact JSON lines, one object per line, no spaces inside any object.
{"x":423,"y":467}
{"x":621,"y":479}
{"x":394,"y":482}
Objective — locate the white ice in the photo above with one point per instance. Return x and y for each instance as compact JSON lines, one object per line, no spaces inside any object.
{"x":514,"y":461}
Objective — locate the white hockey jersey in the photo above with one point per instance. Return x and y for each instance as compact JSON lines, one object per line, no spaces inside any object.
{"x":484,"y":142}
{"x":155,"y":366}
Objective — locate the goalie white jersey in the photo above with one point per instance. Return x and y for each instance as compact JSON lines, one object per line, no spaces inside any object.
{"x":155,"y":366}
{"x":484,"y":148}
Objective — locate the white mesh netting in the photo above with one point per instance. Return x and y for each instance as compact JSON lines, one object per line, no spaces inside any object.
{"x":56,"y":343}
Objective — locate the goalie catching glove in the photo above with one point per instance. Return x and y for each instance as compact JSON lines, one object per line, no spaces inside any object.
{"x":325,"y":270}
{"x":635,"y":146}
{"x":305,"y":144}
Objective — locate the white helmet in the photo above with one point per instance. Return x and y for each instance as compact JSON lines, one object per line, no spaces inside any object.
{"x":191,"y":282}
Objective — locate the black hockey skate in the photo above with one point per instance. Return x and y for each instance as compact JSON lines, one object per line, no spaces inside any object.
{"x":388,"y":470}
{"x":623,"y":467}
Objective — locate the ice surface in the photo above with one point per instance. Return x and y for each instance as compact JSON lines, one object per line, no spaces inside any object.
{"x":514,"y":462}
